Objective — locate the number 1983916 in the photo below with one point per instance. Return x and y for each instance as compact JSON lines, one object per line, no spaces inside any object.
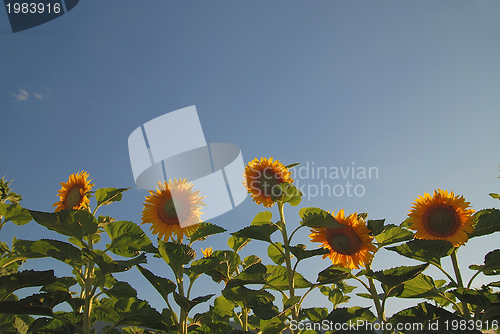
{"x":33,"y":8}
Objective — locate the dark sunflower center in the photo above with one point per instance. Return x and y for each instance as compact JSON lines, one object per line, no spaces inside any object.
{"x":73,"y":198}
{"x":441,"y":221}
{"x":268,"y":180}
{"x":344,"y":241}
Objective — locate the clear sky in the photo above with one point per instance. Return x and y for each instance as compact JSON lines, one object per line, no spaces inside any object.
{"x":411,"y":88}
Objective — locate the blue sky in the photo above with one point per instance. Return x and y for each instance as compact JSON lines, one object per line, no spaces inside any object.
{"x":411,"y":88}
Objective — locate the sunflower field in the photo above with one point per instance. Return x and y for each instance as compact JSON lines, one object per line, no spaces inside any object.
{"x":257,"y":295}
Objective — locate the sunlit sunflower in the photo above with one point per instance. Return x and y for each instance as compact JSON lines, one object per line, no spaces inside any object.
{"x":75,"y":193}
{"x":350,"y":246}
{"x":207,"y":252}
{"x":442,"y":216}
{"x":262,"y":176}
{"x":160,"y":211}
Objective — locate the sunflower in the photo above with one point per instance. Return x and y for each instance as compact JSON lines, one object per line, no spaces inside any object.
{"x":207,"y":252}
{"x":262,"y":176}
{"x":350,"y":246}
{"x":165,"y":217}
{"x":443,"y":216}
{"x":75,"y":193}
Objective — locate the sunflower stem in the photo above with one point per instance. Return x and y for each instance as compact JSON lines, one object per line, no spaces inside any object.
{"x":454,"y":260}
{"x":376,"y":301}
{"x":88,"y":288}
{"x":183,"y":315}
{"x":290,"y":273}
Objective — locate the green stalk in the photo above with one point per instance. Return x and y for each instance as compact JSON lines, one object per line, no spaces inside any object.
{"x":376,"y":301}
{"x":454,"y":260}
{"x":183,"y":316}
{"x":88,"y":285}
{"x":290,"y":273}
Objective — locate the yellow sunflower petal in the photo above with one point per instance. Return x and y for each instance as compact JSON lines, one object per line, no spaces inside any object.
{"x":350,"y":246}
{"x":262,"y":176}
{"x":75,"y":193}
{"x":442,"y":216}
{"x":165,"y":216}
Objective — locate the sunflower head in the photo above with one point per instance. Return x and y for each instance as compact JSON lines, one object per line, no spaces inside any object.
{"x":350,"y":246}
{"x":170,"y":205}
{"x":442,"y":216}
{"x":207,"y":252}
{"x":75,"y":193}
{"x":262,"y":177}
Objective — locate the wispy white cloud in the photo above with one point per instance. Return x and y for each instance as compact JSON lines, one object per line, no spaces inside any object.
{"x":23,"y":95}
{"x":38,"y":96}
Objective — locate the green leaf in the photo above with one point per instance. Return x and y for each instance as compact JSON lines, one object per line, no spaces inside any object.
{"x":487,"y":222}
{"x":108,"y":266}
{"x":393,"y":234}
{"x":15,"y":213}
{"x":291,"y":194}
{"x":263,"y":307}
{"x":224,"y":265}
{"x":253,"y":274}
{"x":351,"y":315}
{"x":262,"y":218}
{"x":477,"y":298}
{"x":292,"y":165}
{"x":24,"y":279}
{"x":393,"y":277}
{"x":176,"y":254}
{"x":237,"y":243}
{"x":127,"y":239}
{"x":164,"y":286}
{"x":223,"y":307}
{"x":200,"y":267}
{"x":425,"y":250}
{"x":492,"y":263}
{"x":260,"y":232}
{"x":121,"y":290}
{"x":300,"y":253}
{"x":250,"y":261}
{"x":187,"y":304}
{"x":105,"y":196}
{"x":62,"y":222}
{"x":204,"y":231}
{"x":59,"y":250}
{"x":376,"y":226}
{"x":422,"y":286}
{"x":495,"y":196}
{"x":333,"y":274}
{"x":275,"y":252}
{"x":316,"y":217}
{"x":277,"y":278}
{"x":60,"y":284}
{"x":315,"y":314}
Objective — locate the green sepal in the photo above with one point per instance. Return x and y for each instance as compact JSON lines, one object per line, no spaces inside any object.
{"x":430,"y":251}
{"x":204,"y":231}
